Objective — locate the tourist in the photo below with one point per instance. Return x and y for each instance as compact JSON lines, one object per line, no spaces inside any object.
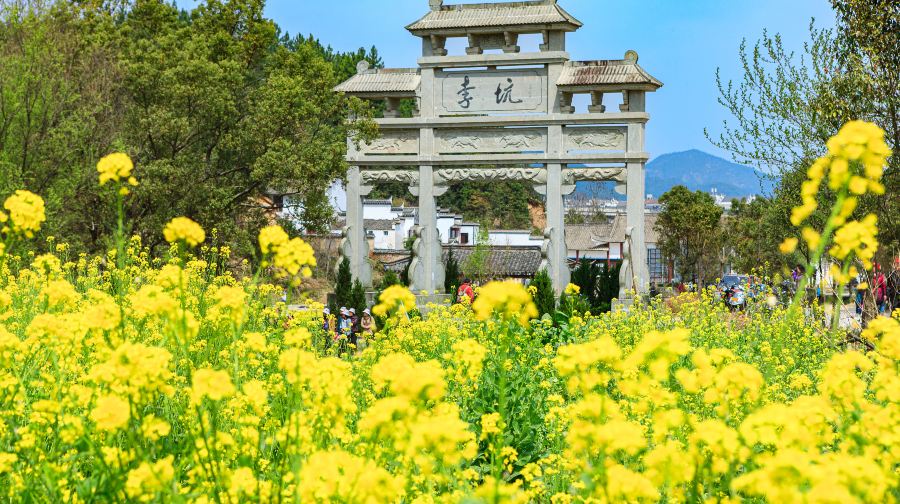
{"x":354,"y":327}
{"x":367,"y":323}
{"x":893,"y":287}
{"x":465,"y":293}
{"x":367,"y":329}
{"x":344,"y":325}
{"x":879,"y":289}
{"x":326,"y":320}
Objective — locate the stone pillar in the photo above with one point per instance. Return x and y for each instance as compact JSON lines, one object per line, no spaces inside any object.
{"x":355,"y":247}
{"x":636,"y":192}
{"x":635,"y":222}
{"x":428,"y":275}
{"x":557,"y":254}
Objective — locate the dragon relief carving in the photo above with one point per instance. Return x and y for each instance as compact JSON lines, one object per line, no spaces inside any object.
{"x":537,"y":175}
{"x":573,"y":175}
{"x":405,"y":176}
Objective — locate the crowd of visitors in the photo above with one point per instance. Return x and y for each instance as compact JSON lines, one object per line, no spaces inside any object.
{"x":348,"y":328}
{"x":885,"y":289}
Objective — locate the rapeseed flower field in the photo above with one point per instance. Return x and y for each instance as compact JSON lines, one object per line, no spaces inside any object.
{"x":133,"y":378}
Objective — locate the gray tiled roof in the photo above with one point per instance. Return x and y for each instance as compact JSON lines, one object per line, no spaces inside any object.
{"x":487,"y":15}
{"x":378,"y":225}
{"x":384,"y":80}
{"x":606,"y":72}
{"x":504,"y":262}
{"x":594,"y":236}
{"x":519,"y":262}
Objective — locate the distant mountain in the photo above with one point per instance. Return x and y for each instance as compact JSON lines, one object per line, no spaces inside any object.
{"x":699,"y":171}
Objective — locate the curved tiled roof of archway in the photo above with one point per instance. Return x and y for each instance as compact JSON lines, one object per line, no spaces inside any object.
{"x":487,"y":15}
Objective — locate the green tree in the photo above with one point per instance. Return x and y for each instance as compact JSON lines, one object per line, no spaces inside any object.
{"x":343,"y":285}
{"x":477,"y":265}
{"x":390,"y":278}
{"x":59,"y":111}
{"x":452,"y":273}
{"x":690,"y":233}
{"x":217,"y":110}
{"x":586,"y":276}
{"x":504,"y":203}
{"x":608,"y":287}
{"x":786,"y":106}
{"x":544,"y":297}
{"x":599,"y":284}
{"x":357,"y":298}
{"x":222,"y":113}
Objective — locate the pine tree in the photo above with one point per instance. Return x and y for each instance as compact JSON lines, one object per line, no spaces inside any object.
{"x":390,"y":278}
{"x":343,"y":284}
{"x":451,"y":280}
{"x":587,"y":277}
{"x":357,"y":298}
{"x":607,"y":288}
{"x":545,"y":298}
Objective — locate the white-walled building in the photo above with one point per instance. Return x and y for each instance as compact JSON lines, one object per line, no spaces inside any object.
{"x":513,"y":238}
{"x":464,"y":233}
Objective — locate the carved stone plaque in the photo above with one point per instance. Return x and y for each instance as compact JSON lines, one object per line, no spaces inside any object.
{"x":491,"y":141}
{"x":486,"y":91}
{"x":595,"y":138}
{"x":393,"y":142}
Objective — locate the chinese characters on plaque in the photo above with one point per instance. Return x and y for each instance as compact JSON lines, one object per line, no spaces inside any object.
{"x":500,"y":91}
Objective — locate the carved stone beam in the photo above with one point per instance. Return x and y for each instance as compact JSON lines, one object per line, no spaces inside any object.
{"x":573,"y":175}
{"x":446,"y":176}
{"x":376,"y":176}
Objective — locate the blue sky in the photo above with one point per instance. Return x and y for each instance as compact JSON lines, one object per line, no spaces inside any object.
{"x":681,"y":42}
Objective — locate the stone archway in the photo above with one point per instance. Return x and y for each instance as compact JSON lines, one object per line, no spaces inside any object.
{"x":511,"y":112}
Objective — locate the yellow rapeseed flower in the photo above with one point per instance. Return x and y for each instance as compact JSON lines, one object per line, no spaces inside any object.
{"x":789,"y":245}
{"x":508,"y":299}
{"x":210,"y":383}
{"x":26,"y":213}
{"x":111,"y":413}
{"x":270,"y":238}
{"x":115,"y":167}
{"x":182,"y":229}
{"x":395,"y":298}
{"x":859,"y":238}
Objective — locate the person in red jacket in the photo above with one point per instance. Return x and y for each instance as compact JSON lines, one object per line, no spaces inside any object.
{"x":880,"y":289}
{"x":465,"y":293}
